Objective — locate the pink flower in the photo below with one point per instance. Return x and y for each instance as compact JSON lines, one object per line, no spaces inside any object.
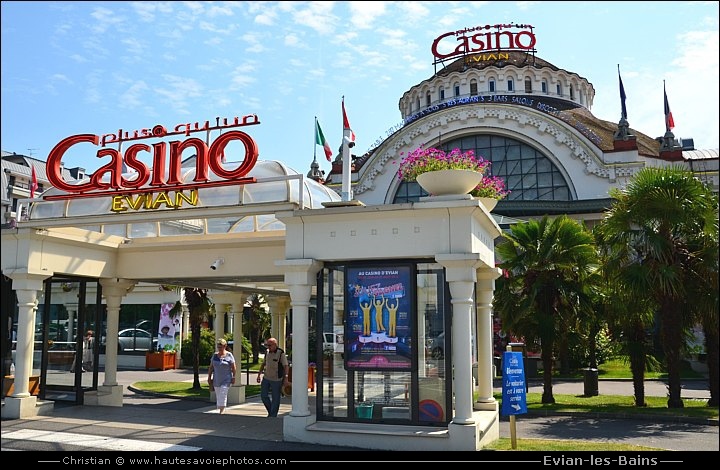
{"x":422,"y":160}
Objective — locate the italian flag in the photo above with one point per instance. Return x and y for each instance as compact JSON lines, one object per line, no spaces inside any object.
{"x":320,"y":140}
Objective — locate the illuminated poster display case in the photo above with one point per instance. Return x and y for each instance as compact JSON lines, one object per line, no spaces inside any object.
{"x":378,"y":327}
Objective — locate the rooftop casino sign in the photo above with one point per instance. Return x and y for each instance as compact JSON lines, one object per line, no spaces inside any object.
{"x":499,"y":37}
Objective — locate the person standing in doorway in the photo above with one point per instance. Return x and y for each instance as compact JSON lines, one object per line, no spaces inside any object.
{"x":88,"y":354}
{"x":274,"y":371}
{"x":221,"y":374}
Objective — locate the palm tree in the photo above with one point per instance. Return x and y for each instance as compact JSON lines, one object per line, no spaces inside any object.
{"x":629,"y":317}
{"x":199,"y":305}
{"x":258,"y":324}
{"x":703,"y":302}
{"x":653,"y":229}
{"x":547,"y":265}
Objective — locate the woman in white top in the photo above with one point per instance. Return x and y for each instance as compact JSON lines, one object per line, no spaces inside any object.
{"x":221,"y":374}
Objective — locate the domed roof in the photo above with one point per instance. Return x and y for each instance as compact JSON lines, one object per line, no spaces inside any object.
{"x":493,"y":59}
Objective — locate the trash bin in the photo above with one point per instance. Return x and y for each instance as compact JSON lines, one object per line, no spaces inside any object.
{"x":364,"y":410}
{"x":531,"y":367}
{"x":590,"y":376}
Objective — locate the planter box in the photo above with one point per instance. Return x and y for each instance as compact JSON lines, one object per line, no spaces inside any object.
{"x":311,"y":378}
{"x":9,"y":385}
{"x":327,"y":367}
{"x":160,"y":360}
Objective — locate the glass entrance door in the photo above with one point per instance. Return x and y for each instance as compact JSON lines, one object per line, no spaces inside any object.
{"x":66,"y":339}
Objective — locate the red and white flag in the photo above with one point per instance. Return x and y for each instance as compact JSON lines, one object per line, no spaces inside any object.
{"x":33,"y":184}
{"x":346,"y":124}
{"x":669,"y":121}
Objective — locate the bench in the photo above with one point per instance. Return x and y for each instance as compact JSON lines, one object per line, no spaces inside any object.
{"x":9,"y":385}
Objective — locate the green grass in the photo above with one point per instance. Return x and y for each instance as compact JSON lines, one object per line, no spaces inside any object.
{"x":619,"y":404}
{"x":549,"y":445}
{"x":185,"y":389}
{"x":619,"y":368}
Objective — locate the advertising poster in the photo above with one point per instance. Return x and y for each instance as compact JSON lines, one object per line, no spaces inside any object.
{"x":377,"y":326}
{"x":166,"y":328}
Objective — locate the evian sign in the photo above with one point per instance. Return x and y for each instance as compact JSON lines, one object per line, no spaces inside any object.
{"x":165,"y":172}
{"x":484,"y":38}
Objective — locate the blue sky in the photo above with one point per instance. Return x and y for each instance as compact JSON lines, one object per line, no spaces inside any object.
{"x":96,"y":67}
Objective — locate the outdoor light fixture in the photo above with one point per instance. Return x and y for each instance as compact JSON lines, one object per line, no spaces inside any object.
{"x":217,"y":263}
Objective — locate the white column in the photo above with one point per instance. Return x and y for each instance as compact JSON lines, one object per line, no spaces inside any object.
{"x":72,"y":313}
{"x":185,"y":321}
{"x":219,"y":323}
{"x":485,"y":287}
{"x":231,"y":321}
{"x":237,"y":331}
{"x":113,"y":290}
{"x":278,"y":310}
{"x":233,"y":300}
{"x":27,"y":305}
{"x":22,"y":404}
{"x":460,"y":272}
{"x":300,"y":277}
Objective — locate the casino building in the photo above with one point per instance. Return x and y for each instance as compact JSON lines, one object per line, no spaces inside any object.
{"x":390,"y":267}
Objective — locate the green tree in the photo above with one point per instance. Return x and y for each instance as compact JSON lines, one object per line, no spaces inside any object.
{"x":258,"y":324}
{"x":547,"y":265}
{"x":199,"y":305}
{"x":630,"y":317}
{"x":703,"y":302}
{"x":654,"y":228}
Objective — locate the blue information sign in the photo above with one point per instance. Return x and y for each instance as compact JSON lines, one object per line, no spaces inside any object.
{"x":513,"y":384}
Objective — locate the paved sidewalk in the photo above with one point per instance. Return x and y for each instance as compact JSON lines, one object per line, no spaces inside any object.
{"x":197,"y":421}
{"x":691,"y":389}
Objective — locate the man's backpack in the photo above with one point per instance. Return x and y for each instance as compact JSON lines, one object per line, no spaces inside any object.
{"x":281,"y":368}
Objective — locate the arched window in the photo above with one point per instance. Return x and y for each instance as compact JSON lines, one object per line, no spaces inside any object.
{"x":456,"y":89}
{"x":510,"y":85}
{"x":544,"y":86}
{"x":427,"y":99}
{"x":491,"y":85}
{"x":442,"y":93}
{"x":528,"y":174}
{"x":528,"y":85}
{"x":473,"y":87}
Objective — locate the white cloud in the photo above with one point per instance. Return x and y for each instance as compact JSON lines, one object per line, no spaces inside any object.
{"x":363,"y":15}
{"x":133,"y":97}
{"x":105,"y":19}
{"x":317,"y":16}
{"x":291,"y":40}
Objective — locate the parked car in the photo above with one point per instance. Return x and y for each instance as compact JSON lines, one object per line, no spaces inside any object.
{"x":136,"y":339}
{"x":436,"y":346}
{"x":333,"y":342}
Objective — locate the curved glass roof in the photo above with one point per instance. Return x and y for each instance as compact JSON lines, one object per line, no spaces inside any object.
{"x":276,"y":183}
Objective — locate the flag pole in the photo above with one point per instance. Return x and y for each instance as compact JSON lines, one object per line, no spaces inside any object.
{"x":347,"y":192}
{"x":623,"y":108}
{"x":315,"y":141}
